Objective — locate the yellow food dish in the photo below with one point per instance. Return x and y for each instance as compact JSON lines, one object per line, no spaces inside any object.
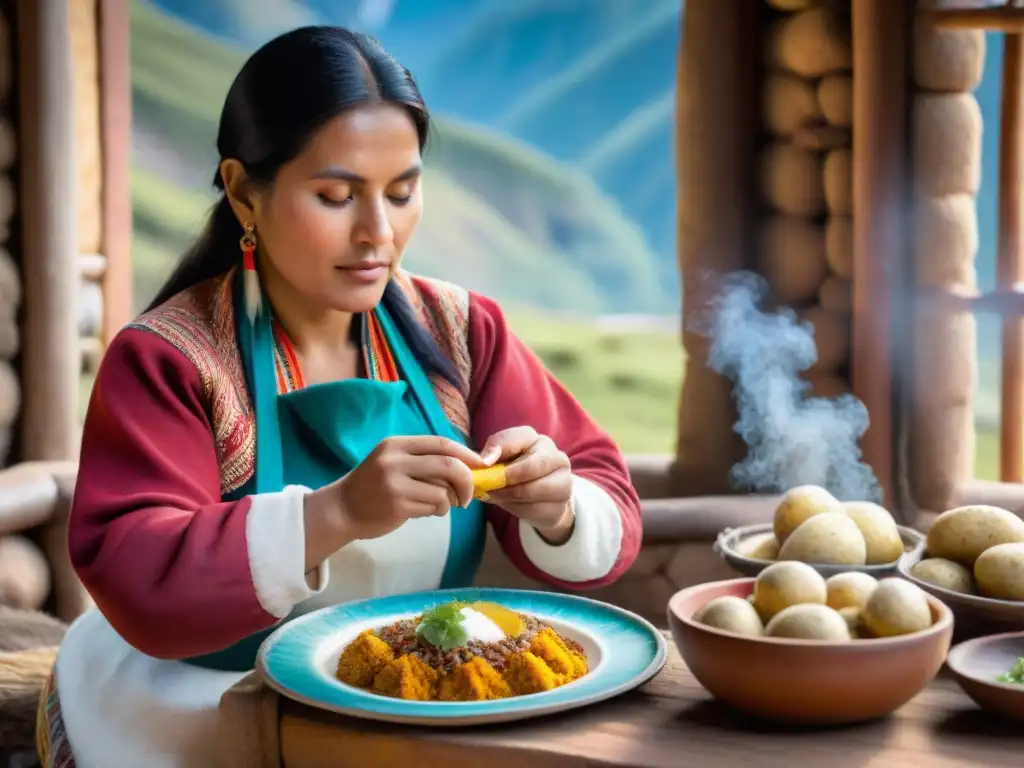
{"x":488,"y":479}
{"x":462,"y":652}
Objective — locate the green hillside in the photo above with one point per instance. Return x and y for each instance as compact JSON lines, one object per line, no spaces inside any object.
{"x":500,"y":218}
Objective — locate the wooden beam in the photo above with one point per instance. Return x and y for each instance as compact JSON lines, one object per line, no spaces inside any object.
{"x":880,"y":207}
{"x":998,"y":19}
{"x":717,"y":136}
{"x":50,"y":358}
{"x":116,"y":133}
{"x":1009,"y":259}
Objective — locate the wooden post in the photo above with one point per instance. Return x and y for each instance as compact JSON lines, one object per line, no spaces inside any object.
{"x":116,"y":129}
{"x":1010,"y":260}
{"x":50,"y":359}
{"x":880,"y":207}
{"x":717,"y":134}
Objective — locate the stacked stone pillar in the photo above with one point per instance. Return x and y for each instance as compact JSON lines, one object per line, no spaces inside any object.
{"x":946,"y":136}
{"x":806,"y":247}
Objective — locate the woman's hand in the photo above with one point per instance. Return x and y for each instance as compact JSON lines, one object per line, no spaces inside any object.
{"x":538,"y":481}
{"x":401,"y":479}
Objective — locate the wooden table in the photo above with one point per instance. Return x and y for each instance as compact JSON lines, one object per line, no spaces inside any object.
{"x":669,"y":723}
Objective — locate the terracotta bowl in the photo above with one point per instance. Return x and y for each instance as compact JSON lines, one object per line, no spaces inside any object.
{"x":731,"y":540}
{"x":977,"y":663}
{"x":804,"y":681}
{"x":987,"y":614}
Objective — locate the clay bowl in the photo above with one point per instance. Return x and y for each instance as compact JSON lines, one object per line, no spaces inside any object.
{"x":977,"y":663}
{"x":730,"y":543}
{"x":804,"y":682}
{"x":973,"y":613}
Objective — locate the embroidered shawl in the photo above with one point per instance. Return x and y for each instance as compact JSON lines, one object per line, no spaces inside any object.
{"x":200,"y":323}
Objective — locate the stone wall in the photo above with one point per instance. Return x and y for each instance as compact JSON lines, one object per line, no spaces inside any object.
{"x":806,"y":245}
{"x":946,"y":137}
{"x":10,"y":275}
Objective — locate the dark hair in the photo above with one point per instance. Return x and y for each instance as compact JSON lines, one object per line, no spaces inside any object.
{"x":284,"y":93}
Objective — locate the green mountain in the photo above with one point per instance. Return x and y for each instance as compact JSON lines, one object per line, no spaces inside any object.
{"x":501,"y":217}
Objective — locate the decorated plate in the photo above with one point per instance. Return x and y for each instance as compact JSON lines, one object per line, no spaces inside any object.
{"x":622,"y":650}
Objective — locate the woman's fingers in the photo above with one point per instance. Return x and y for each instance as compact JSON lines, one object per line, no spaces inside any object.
{"x":426,"y":499}
{"x":541,"y":460}
{"x":432,"y":445}
{"x":446,"y":471}
{"x":508,"y":444}
{"x":555,"y":487}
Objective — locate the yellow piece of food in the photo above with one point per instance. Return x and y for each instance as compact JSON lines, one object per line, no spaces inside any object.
{"x":527,"y":673}
{"x":363,"y":659}
{"x":562,"y":660}
{"x":488,"y":479}
{"x":473,"y":680}
{"x":508,"y":621}
{"x":407,"y":677}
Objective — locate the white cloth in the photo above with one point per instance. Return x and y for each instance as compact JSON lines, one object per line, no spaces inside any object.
{"x":124,"y":709}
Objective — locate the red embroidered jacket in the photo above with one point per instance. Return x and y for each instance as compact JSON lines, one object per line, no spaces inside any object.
{"x":169,"y":432}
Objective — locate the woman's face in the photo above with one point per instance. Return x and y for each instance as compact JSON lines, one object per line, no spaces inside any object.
{"x":335,"y":223}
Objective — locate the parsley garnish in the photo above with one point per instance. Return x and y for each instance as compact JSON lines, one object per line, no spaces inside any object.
{"x":441,"y":626}
{"x":1015,"y":675}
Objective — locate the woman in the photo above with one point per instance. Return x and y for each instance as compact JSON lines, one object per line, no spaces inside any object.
{"x":293,"y":422}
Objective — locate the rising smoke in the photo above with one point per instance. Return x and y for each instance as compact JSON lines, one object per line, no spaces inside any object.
{"x":793,"y":438}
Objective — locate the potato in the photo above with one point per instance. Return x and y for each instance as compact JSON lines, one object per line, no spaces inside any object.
{"x":797,"y":505}
{"x":962,"y":534}
{"x":809,"y":622}
{"x":849,"y":590}
{"x":944,"y":573}
{"x":999,"y":572}
{"x":852,"y":618}
{"x":896,"y":607}
{"x":882,"y":537}
{"x":731,"y":614}
{"x":761,"y":547}
{"x":781,"y":585}
{"x":828,"y":538}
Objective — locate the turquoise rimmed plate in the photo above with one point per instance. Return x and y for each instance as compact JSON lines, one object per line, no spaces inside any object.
{"x":623,"y":652}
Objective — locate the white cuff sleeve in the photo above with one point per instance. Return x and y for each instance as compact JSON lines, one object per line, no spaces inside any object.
{"x":275,"y":533}
{"x":591,"y":551}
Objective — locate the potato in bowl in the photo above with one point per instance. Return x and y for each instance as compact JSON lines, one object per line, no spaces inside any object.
{"x":803,"y":660}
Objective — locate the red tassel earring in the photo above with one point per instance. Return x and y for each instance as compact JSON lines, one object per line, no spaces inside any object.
{"x":251,"y":280}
